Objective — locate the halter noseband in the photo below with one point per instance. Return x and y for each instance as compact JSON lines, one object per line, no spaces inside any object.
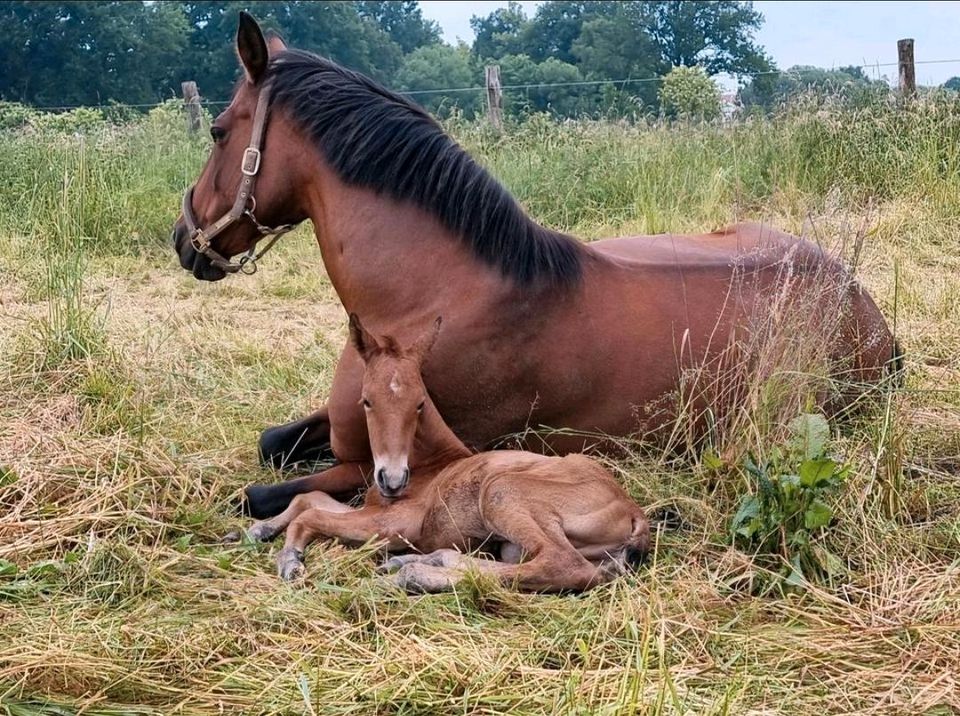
{"x":244,"y":205}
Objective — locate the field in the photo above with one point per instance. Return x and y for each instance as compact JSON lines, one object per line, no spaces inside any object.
{"x":131,"y":397}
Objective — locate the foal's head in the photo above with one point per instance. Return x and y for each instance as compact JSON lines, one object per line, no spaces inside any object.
{"x":216,"y":192}
{"x":393,"y":397}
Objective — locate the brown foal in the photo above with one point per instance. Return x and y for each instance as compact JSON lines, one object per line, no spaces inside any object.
{"x":558,"y":523}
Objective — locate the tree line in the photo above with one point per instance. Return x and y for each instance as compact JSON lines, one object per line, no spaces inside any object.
{"x":571,"y":58}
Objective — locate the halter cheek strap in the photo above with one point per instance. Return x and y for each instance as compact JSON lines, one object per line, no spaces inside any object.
{"x":243,"y":206}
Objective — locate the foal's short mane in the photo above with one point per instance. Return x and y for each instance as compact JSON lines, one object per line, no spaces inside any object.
{"x":375,"y":138}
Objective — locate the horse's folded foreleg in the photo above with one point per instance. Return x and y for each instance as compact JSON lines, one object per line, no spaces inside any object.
{"x":268,"y":500}
{"x":304,"y":439}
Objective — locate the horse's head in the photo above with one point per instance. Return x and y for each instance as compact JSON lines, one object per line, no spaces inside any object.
{"x":247,"y":185}
{"x":394,"y":398}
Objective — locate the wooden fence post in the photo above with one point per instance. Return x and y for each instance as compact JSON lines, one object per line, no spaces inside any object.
{"x":494,"y":97}
{"x":908,"y":75}
{"x":191,"y":101}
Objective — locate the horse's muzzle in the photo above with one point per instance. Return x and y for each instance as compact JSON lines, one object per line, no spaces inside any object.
{"x":190,"y":259}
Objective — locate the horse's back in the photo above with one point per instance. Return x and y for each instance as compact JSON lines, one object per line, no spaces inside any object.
{"x":723,"y":247}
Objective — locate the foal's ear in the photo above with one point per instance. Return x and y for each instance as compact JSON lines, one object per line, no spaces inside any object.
{"x":425,"y":342}
{"x":252,"y":48}
{"x":275,"y":43}
{"x":362,"y":339}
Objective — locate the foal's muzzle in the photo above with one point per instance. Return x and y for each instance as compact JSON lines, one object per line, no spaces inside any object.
{"x":391,"y":483}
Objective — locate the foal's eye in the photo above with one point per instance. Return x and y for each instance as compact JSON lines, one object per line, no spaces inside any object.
{"x":366,"y":403}
{"x":218,"y":134}
{"x":420,"y":407}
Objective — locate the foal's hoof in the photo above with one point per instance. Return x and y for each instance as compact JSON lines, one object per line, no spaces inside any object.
{"x":420,"y":578}
{"x":258,"y":532}
{"x":290,"y":565}
{"x":395,"y":563}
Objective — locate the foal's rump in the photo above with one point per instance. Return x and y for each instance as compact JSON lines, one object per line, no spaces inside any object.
{"x":573,"y":498}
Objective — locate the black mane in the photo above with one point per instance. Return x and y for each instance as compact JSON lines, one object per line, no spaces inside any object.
{"x":377,"y":139}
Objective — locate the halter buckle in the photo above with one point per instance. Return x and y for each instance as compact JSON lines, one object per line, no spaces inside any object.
{"x":248,"y":265}
{"x":251,"y":161}
{"x":199,"y":241}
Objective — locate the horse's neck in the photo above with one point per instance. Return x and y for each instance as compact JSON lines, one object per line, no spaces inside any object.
{"x":383,"y":256}
{"x":435,"y":443}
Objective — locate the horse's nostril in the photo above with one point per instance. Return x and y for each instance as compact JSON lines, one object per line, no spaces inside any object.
{"x":382,"y":476}
{"x":406,"y":475}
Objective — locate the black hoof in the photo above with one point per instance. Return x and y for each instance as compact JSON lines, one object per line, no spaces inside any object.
{"x":284,"y":445}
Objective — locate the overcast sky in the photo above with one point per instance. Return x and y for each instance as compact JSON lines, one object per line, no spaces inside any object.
{"x":826,"y":34}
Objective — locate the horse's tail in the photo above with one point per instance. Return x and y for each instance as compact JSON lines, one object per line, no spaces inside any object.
{"x":638,"y":545}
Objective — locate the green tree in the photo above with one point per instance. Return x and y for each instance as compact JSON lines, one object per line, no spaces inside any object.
{"x":850,"y":83}
{"x":628,"y":40}
{"x":717,"y":36}
{"x":952,"y":84}
{"x":501,"y":32}
{"x":688,"y":93}
{"x":547,"y":86}
{"x":90,"y":52}
{"x":619,"y":46}
{"x":556,"y":26}
{"x":87,"y":53}
{"x":403,"y":22}
{"x":333,"y":29}
{"x":439,"y":67}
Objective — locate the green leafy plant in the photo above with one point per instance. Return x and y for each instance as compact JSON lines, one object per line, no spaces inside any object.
{"x":14,"y":115}
{"x":76,"y":121}
{"x":783,"y":519}
{"x":689,"y":93}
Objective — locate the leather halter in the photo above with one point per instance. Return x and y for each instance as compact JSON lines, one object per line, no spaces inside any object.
{"x":244,"y":205}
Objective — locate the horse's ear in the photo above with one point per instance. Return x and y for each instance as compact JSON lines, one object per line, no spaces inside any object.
{"x":425,"y":342}
{"x":362,"y":339}
{"x":251,"y":48}
{"x":275,"y":43}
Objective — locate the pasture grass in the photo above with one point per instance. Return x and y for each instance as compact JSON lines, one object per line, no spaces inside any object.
{"x":131,"y":397}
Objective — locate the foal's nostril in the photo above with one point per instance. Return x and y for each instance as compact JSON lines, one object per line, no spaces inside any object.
{"x":406,"y":475}
{"x":382,"y":477}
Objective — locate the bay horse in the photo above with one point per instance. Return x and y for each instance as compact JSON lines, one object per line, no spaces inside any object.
{"x":543,"y":330}
{"x":558,"y":523}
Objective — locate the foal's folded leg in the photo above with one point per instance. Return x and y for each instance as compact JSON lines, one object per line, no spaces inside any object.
{"x":550,"y":571}
{"x":266,"y":530}
{"x":353,"y":527}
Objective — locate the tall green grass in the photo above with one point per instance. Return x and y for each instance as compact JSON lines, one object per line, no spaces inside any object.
{"x":122,"y":182}
{"x":571,"y":174}
{"x":670,"y":176}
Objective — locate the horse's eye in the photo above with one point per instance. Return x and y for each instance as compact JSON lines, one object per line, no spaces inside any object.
{"x":218,"y":134}
{"x":420,"y":407}
{"x":366,"y":403}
